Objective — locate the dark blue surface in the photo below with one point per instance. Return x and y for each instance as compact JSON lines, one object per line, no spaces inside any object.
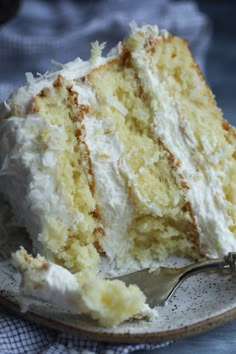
{"x":221,"y":340}
{"x":221,"y":59}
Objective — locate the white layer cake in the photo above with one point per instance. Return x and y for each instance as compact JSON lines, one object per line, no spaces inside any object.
{"x":125,"y":157}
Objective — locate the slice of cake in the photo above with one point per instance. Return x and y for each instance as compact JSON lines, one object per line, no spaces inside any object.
{"x":125,"y":158}
{"x":108,"y":301}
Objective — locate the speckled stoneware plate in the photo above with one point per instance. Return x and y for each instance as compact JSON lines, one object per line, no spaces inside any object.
{"x":202,"y":302}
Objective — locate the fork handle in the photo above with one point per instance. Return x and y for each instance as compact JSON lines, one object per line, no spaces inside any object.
{"x":230,"y":260}
{"x":228,"y":263}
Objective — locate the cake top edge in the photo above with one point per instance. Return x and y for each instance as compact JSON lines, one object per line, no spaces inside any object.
{"x":74,"y":69}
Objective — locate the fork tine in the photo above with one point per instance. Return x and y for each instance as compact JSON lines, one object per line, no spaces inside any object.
{"x":156,"y":285}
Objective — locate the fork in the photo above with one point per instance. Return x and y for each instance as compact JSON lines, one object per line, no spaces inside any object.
{"x":159,"y":285}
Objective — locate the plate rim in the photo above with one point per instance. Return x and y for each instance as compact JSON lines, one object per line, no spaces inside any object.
{"x":123,"y":338}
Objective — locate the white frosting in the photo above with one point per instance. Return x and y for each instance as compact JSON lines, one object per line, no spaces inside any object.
{"x":27,"y":166}
{"x":106,"y":154}
{"x":29,"y":175}
{"x":56,"y":285}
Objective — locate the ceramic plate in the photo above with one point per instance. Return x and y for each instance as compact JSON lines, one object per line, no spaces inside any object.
{"x":202,"y":302}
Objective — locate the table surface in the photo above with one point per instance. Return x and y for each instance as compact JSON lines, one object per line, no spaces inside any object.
{"x":221,"y":340}
{"x":221,"y":58}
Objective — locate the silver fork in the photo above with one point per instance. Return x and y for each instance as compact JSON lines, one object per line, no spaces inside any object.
{"x":159,"y":285}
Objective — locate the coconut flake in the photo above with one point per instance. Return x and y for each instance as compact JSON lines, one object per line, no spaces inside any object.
{"x":29,"y":78}
{"x":6,"y":105}
{"x":96,"y":51}
{"x":117,"y":104}
{"x":57,"y":63}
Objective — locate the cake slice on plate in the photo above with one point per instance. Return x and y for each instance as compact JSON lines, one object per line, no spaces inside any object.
{"x":125,"y":157}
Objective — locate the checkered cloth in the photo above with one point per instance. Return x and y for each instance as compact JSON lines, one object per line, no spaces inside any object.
{"x":18,"y":336}
{"x":62,"y":30}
